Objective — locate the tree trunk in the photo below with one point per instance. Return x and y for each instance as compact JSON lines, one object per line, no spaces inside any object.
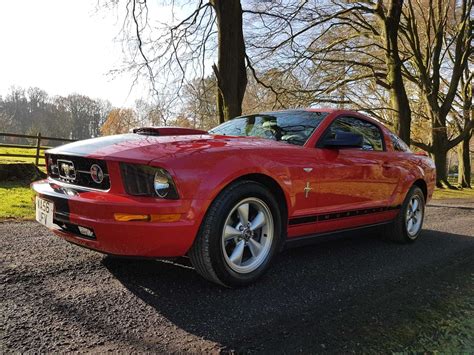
{"x":466,"y":162}
{"x":220,"y":105}
{"x":231,"y":73}
{"x":398,"y":95}
{"x":399,"y":103}
{"x":465,"y":179}
{"x":440,"y":159}
{"x":439,"y":142}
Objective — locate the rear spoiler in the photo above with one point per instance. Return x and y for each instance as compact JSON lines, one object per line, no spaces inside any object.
{"x":167,"y":131}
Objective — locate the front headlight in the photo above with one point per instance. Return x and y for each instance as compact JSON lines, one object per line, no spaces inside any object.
{"x":163,"y":184}
{"x":144,"y":180}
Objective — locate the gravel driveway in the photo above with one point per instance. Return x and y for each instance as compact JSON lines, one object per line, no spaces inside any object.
{"x":339,"y":295}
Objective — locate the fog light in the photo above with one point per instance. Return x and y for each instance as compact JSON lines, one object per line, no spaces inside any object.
{"x":86,"y":231}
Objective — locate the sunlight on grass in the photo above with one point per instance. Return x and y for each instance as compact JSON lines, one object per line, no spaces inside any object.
{"x":16,"y":201}
{"x":23,"y":151}
{"x":448,"y":193}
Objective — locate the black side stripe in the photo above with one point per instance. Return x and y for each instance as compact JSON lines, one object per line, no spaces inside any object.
{"x":337,"y":215}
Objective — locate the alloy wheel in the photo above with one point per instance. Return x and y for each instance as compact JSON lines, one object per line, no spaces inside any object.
{"x":248,"y":235}
{"x":414,"y":216}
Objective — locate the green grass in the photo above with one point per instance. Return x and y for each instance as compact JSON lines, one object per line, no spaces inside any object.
{"x":24,"y":151}
{"x":17,"y":201}
{"x":17,"y":197}
{"x":454,"y":180}
{"x":440,"y":194}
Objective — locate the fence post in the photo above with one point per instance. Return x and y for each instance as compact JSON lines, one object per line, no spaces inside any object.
{"x":38,"y":146}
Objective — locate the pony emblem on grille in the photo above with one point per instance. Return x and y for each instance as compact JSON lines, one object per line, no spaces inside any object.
{"x":67,"y":170}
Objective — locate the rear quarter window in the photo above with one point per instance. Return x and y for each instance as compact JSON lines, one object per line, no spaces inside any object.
{"x":398,"y":144}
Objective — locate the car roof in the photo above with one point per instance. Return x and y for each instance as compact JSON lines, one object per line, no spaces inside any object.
{"x":327,"y":110}
{"x":307,"y":109}
{"x":324,"y":110}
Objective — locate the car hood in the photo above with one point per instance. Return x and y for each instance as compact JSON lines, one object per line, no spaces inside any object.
{"x":143,"y":148}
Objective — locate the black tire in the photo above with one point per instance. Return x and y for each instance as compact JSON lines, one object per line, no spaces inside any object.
{"x":397,"y":231}
{"x":207,"y":254}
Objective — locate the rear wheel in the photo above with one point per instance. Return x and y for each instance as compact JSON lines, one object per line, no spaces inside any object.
{"x":239,"y":236}
{"x":406,"y":228}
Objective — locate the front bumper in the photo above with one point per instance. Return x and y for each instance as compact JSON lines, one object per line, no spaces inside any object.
{"x":95,"y":210}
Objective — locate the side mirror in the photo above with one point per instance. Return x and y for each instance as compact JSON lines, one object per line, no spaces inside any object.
{"x":344,"y":140}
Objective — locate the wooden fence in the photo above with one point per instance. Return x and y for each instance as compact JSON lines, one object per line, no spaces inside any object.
{"x":36,"y":146}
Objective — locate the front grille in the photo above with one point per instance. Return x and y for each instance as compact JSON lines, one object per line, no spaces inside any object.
{"x":77,"y":171}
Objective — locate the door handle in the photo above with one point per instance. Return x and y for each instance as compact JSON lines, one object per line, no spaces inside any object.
{"x":386,"y":166}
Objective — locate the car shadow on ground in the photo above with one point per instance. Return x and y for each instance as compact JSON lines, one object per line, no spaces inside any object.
{"x":307,"y":284}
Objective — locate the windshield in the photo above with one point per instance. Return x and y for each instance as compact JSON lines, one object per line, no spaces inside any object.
{"x":293,"y":127}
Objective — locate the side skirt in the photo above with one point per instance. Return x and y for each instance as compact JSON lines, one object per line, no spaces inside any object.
{"x":322,"y":237}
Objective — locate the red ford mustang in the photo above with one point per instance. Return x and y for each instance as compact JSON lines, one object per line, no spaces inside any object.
{"x":232,"y":197}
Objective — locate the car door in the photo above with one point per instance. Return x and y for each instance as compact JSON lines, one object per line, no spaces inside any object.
{"x":354,"y":179}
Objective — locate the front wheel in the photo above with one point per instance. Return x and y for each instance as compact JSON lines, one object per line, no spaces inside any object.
{"x":406,"y":228}
{"x":239,"y":236}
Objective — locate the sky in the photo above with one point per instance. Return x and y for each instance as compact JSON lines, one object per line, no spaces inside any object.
{"x":64,"y":47}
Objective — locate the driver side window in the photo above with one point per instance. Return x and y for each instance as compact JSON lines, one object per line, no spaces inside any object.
{"x":373,"y":139}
